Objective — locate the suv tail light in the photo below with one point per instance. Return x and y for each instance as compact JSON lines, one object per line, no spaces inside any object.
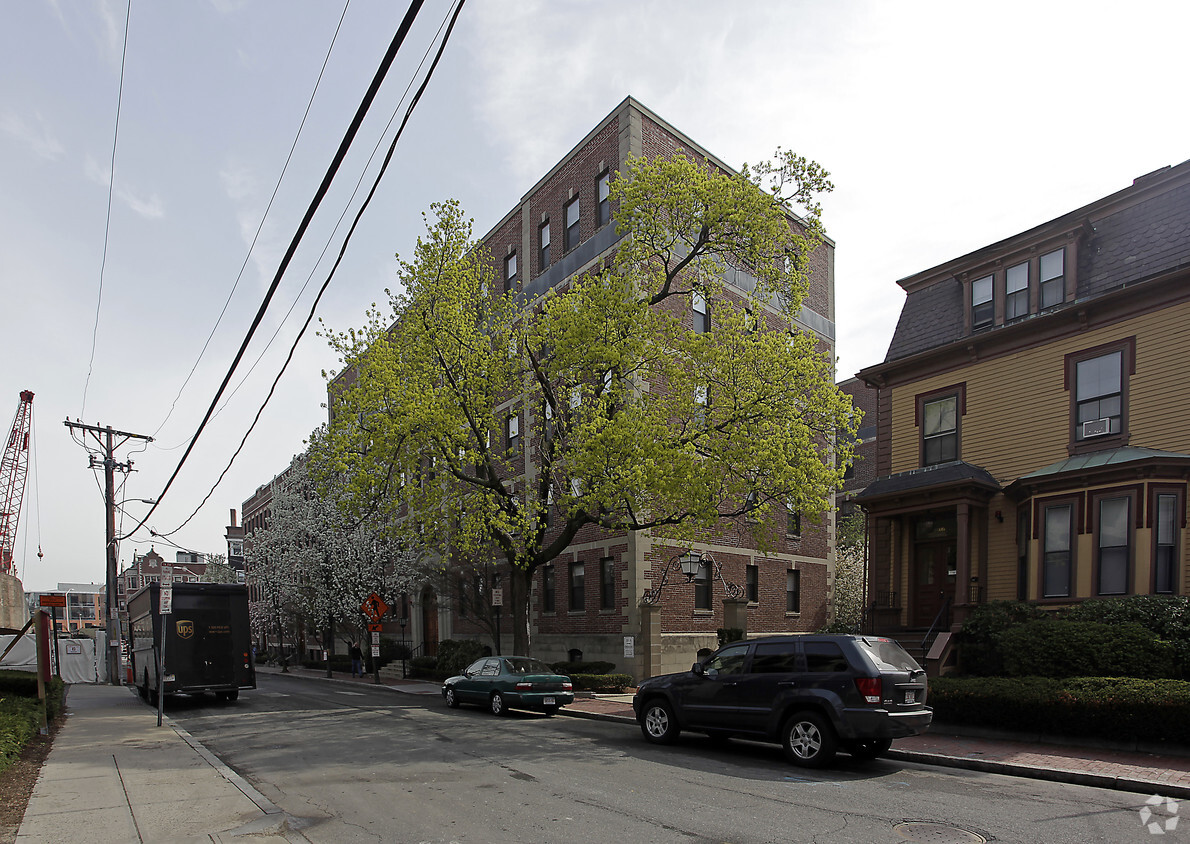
{"x":869,"y":687}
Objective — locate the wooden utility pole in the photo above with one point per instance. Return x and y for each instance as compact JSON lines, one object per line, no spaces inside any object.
{"x":106,"y":437}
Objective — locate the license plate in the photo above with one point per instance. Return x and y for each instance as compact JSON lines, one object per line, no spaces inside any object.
{"x":547,"y":701}
{"x":911,"y":696}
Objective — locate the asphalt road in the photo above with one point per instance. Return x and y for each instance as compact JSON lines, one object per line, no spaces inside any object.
{"x":353,"y":764}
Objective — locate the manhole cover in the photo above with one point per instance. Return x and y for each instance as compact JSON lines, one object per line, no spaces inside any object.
{"x":936,"y":833}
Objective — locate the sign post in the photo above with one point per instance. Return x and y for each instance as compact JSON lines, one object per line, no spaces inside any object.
{"x":53,"y":602}
{"x":165,"y":608}
{"x":498,"y":606}
{"x":374,"y":608}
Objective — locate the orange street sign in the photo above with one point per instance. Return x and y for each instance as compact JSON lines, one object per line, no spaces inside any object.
{"x":375,"y":628}
{"x":374,"y":607}
{"x":53,"y":600}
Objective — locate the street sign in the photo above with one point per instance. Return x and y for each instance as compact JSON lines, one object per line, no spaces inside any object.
{"x":167,"y":575}
{"x":629,"y":646}
{"x":375,"y":638}
{"x":53,"y":600}
{"x":498,"y":597}
{"x":376,"y":650}
{"x":167,"y":600}
{"x":374,"y":607}
{"x":375,"y":628}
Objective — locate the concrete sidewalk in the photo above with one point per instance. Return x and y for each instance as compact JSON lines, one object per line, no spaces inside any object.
{"x":114,"y":775}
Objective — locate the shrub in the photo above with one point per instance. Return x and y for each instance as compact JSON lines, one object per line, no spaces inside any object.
{"x":1166,"y":616}
{"x":572,"y":668}
{"x":729,"y":634}
{"x":21,"y":711}
{"x":1060,"y":648}
{"x":979,"y":650}
{"x":601,"y":683}
{"x":1119,"y":709}
{"x":424,"y":666}
{"x":456,"y":654}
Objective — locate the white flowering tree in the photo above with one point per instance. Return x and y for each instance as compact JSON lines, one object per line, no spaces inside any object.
{"x":315,"y":563}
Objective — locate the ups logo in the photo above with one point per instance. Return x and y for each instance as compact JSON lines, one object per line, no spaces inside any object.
{"x":185,"y":629}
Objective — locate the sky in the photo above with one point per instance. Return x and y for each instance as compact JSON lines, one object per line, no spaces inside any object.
{"x":945,"y":127}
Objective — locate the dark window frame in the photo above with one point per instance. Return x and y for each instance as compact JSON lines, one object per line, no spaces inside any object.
{"x":1133,"y":496}
{"x":1057,"y":282}
{"x":1076,"y":504}
{"x":510,"y":278}
{"x":543,"y":245}
{"x":571,"y":232}
{"x":1127,"y":349}
{"x":703,"y":590}
{"x":603,"y":206}
{"x":793,"y":591}
{"x":752,"y":583}
{"x":1156,"y":493}
{"x":959,"y":393}
{"x":1014,"y":298}
{"x":512,"y":437}
{"x":576,"y":586}
{"x":607,"y":583}
{"x":983,"y":312}
{"x":701,"y":320}
{"x":549,"y":594}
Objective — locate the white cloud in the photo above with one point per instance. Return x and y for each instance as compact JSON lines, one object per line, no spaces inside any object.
{"x":39,"y":139}
{"x":150,"y":207}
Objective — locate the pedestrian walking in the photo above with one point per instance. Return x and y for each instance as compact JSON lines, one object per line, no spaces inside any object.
{"x":357,"y":660}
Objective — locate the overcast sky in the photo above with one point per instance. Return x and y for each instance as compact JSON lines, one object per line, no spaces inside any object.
{"x":945,"y":126}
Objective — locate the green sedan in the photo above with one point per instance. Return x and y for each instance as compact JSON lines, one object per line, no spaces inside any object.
{"x":509,"y":682}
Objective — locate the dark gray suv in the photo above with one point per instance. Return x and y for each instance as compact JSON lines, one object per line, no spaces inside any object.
{"x":814,"y":693}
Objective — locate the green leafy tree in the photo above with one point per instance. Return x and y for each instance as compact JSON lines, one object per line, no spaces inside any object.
{"x":625,"y":418}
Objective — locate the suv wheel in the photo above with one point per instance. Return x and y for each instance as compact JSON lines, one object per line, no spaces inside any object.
{"x":657,"y":723}
{"x":868,"y":748}
{"x":808,"y":740}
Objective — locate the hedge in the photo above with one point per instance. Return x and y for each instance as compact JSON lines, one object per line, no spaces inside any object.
{"x":597,"y":667}
{"x":20,"y":711}
{"x":1114,"y":708}
{"x":601,"y":683}
{"x":1063,"y":648}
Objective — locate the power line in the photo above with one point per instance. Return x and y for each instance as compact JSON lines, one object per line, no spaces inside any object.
{"x":340,"y":154}
{"x":342,"y":251}
{"x":107,"y":226}
{"x":259,"y":228}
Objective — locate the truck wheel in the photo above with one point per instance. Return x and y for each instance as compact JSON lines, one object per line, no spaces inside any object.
{"x":808,"y":740}
{"x":234,"y":694}
{"x":658,"y":724}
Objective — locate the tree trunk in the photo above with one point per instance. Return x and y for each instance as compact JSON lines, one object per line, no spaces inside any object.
{"x":519,"y":581}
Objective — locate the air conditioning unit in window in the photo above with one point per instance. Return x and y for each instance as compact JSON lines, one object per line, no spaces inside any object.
{"x":1096,"y":428}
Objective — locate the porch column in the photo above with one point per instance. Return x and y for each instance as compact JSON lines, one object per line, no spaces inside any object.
{"x":962,"y":584}
{"x":648,"y":644}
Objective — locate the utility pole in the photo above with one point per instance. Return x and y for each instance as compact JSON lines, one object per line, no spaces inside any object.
{"x":106,"y":436}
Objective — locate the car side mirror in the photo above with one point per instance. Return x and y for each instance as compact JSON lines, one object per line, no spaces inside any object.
{"x":467,"y":674}
{"x":697,"y":668}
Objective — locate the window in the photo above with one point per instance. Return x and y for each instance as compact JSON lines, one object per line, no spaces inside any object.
{"x":1053,"y":278}
{"x":607,"y":583}
{"x":512,"y":430}
{"x":510,"y":273}
{"x":578,"y":598}
{"x":983,"y":308}
{"x":793,"y":522}
{"x":702,"y":588}
{"x":793,"y":591}
{"x":729,"y":660}
{"x":543,"y":238}
{"x":1113,"y":545}
{"x":1098,"y":388}
{"x":1016,"y":302}
{"x":570,"y":236}
{"x":132,"y":582}
{"x":825,"y":657}
{"x":774,"y":658}
{"x":547,"y":589}
{"x":1165,"y":544}
{"x":603,"y":206}
{"x":1056,"y":551}
{"x":702,"y":321}
{"x":940,"y":432}
{"x":752,"y":583}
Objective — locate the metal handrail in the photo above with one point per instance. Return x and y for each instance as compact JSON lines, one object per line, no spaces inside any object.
{"x":940,"y":618}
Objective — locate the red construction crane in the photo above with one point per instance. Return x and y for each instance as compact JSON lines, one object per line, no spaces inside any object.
{"x":13,"y":468}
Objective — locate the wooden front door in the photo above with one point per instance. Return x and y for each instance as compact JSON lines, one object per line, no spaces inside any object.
{"x":429,"y":621}
{"x":933,"y":579}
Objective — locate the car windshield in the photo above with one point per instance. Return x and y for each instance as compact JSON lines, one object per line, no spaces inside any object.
{"x":888,"y":654}
{"x":524,"y":665}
